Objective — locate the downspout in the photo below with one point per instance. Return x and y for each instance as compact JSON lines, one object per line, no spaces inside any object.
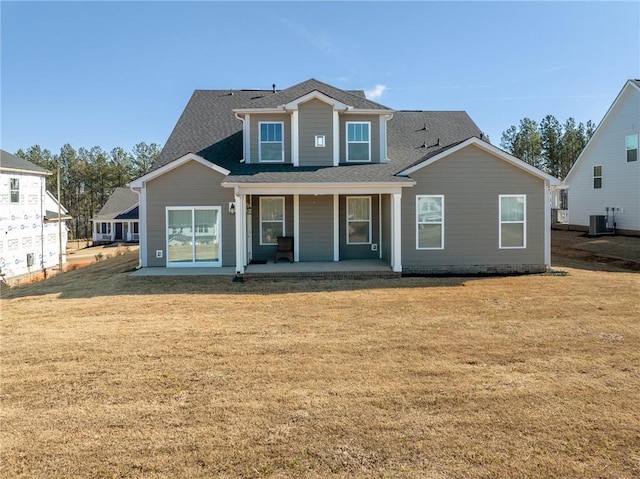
{"x":244,"y":140}
{"x":139,"y":228}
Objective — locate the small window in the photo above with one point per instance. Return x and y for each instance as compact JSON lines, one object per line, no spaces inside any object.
{"x":358,"y":141}
{"x":271,"y":219}
{"x":135,"y":228}
{"x":513,"y":226}
{"x":320,"y":142}
{"x":271,"y":142}
{"x":358,"y":220}
{"x":430,"y":222}
{"x":597,"y":177}
{"x":15,"y":190}
{"x":631,"y":142}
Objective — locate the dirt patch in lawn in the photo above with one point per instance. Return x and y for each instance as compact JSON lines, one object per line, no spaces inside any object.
{"x":107,"y":375}
{"x":603,"y":253}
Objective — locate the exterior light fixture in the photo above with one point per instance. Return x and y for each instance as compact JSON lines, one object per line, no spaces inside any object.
{"x":232,"y":208}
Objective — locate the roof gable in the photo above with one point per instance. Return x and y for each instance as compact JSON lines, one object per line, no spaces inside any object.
{"x":121,"y":201}
{"x":629,"y":86}
{"x":139,"y":183}
{"x":296,"y":92}
{"x":487,"y":147}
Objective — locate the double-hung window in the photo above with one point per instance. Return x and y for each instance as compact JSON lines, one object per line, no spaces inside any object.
{"x":597,"y":177}
{"x":631,"y":143}
{"x":358,"y":219}
{"x":358,"y":141}
{"x":430,"y":222}
{"x":271,"y":219}
{"x":271,"y":142}
{"x":513,"y":221}
{"x":14,"y":188}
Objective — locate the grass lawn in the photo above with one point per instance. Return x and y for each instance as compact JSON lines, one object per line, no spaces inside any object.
{"x":104,"y":375}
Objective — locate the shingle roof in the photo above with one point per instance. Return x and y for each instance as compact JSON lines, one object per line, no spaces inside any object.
{"x":13,"y":162}
{"x":121,"y":200}
{"x":209,"y":128}
{"x":350,"y":98}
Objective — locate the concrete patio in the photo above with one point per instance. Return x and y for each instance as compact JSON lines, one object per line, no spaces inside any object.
{"x":349,"y":268}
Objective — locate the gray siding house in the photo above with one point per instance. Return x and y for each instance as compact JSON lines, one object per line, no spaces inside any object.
{"x":346,"y":178}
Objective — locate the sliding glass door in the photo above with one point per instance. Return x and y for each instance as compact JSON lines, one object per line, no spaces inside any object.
{"x":193,"y":236}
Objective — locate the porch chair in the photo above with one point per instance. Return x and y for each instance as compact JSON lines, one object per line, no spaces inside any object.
{"x":285,"y":248}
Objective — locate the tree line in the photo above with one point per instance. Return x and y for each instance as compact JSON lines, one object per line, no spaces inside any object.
{"x":549,"y":145}
{"x":89,"y":176}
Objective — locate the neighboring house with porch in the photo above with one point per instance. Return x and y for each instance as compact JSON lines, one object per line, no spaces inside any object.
{"x":346,"y":178}
{"x":118,"y":218}
{"x":29,"y":219}
{"x":604,"y":183}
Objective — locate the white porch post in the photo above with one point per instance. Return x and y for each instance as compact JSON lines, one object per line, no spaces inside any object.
{"x":240,"y":236}
{"x":336,"y":227}
{"x":396,"y":234}
{"x":296,"y":228}
{"x":547,"y":224}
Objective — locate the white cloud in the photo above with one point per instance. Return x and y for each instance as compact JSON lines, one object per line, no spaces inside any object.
{"x":375,"y":92}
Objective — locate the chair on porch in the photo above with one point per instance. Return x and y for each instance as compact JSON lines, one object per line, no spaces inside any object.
{"x":285,"y":248}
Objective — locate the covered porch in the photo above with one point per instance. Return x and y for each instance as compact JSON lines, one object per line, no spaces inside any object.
{"x":335,"y":228}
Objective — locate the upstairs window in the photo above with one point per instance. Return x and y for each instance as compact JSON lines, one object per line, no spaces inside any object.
{"x":513,"y":226}
{"x":14,"y":188}
{"x":271,"y":142}
{"x":597,"y":177}
{"x":631,"y":142}
{"x":358,"y":141}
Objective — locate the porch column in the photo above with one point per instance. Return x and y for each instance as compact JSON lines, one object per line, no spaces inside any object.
{"x":296,"y":227}
{"x":396,"y":234}
{"x":240,"y":226}
{"x":336,"y":227}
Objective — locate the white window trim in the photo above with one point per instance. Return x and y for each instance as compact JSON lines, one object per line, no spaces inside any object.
{"x":418,"y":223}
{"x":193,"y":263}
{"x":347,"y":142}
{"x":260,"y":142}
{"x":262,"y":243}
{"x":523,"y":222}
{"x":593,"y":183}
{"x":627,"y":149}
{"x":368,"y":198}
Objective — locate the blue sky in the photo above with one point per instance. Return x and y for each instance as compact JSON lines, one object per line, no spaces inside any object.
{"x":118,"y":73}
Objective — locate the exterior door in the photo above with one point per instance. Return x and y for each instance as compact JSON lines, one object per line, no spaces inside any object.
{"x":118,"y":231}
{"x":193,"y":236}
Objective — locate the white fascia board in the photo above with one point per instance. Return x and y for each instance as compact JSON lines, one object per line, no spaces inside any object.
{"x":139,"y":183}
{"x":596,"y":133}
{"x":244,"y":111}
{"x":372,"y":111}
{"x":489,"y":148}
{"x":317,"y":188}
{"x":28,"y":172}
{"x":315,"y":95}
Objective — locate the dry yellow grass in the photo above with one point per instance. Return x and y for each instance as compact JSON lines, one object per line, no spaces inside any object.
{"x":105,"y":375}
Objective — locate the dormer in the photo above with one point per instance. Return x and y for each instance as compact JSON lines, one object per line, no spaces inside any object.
{"x":313,"y":124}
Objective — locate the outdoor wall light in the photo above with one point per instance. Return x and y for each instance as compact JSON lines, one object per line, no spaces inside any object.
{"x":232,"y":208}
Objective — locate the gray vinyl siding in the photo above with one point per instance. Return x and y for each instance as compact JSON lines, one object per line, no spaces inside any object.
{"x":191,"y":184}
{"x":254,"y":140}
{"x":386,"y":228}
{"x":316,"y":228}
{"x":267,"y":252}
{"x":359,"y":251}
{"x":315,"y":117}
{"x":471,"y":181}
{"x":375,"y":135}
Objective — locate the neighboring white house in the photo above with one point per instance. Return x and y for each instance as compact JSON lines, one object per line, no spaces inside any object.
{"x":29,"y":240}
{"x":118,"y":218}
{"x":604,"y":182}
